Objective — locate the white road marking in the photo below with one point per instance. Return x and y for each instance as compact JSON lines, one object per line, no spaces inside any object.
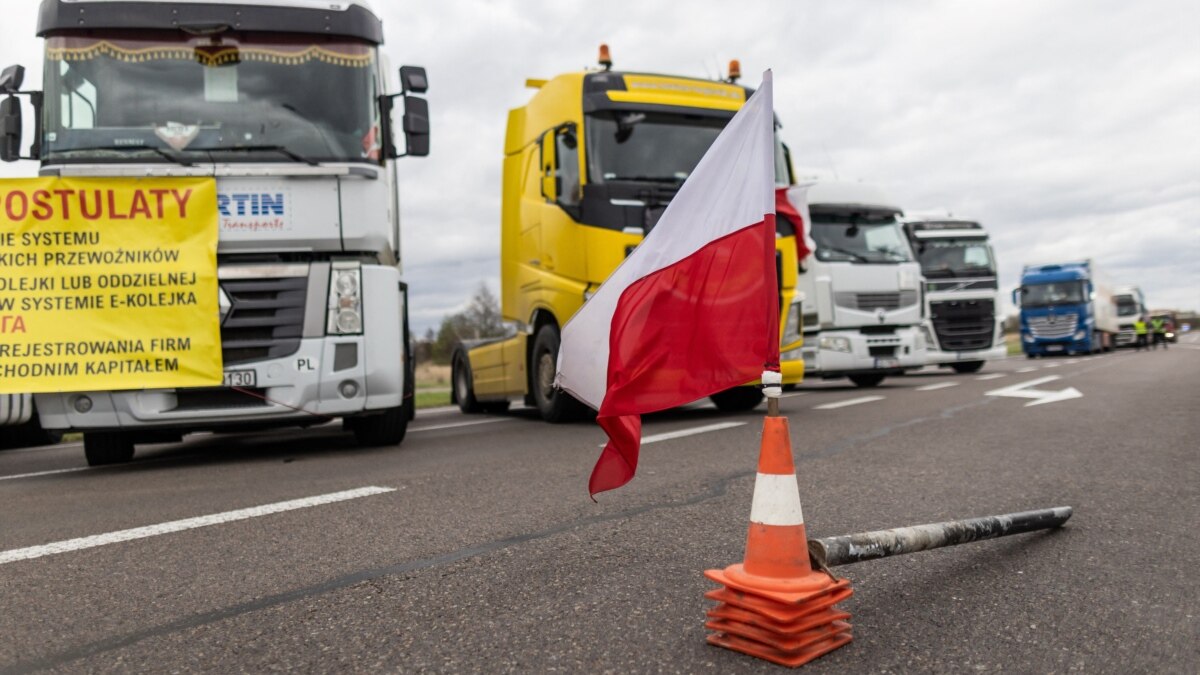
{"x":44,"y":473}
{"x":118,"y":536}
{"x":1052,"y":365}
{"x":490,"y":420}
{"x":1030,"y":369}
{"x":935,"y":387}
{"x":990,"y":376}
{"x":792,"y":394}
{"x":654,"y":438}
{"x":1025,"y":390}
{"x":848,"y":402}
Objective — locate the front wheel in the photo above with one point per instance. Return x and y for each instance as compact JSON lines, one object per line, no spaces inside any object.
{"x":737,"y":399}
{"x":102,"y":448}
{"x":386,"y":428}
{"x":967,"y":366}
{"x":555,"y":405}
{"x":866,"y":380}
{"x":464,"y":387}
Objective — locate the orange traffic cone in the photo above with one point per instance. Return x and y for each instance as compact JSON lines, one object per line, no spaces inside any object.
{"x":774,"y":605}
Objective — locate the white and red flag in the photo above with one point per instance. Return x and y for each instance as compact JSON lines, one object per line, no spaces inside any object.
{"x":694,"y":310}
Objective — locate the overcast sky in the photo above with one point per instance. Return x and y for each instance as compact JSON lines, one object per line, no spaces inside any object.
{"x":1069,"y":129}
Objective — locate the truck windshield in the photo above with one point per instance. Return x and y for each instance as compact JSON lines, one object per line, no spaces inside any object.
{"x":1127,"y":305}
{"x":955,"y":258}
{"x":655,"y":147}
{"x":859,"y":239}
{"x":1055,"y":293}
{"x":153,"y":96}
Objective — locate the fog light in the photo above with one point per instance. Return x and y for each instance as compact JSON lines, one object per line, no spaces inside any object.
{"x":348,"y":389}
{"x":83,"y":404}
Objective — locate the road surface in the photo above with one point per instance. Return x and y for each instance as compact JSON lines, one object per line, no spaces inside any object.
{"x":473,"y":547}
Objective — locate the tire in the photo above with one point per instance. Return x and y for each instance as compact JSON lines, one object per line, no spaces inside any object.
{"x":554,"y":405}
{"x":102,"y":448}
{"x":464,"y":388}
{"x":864,"y":381}
{"x":737,"y":399}
{"x":1097,"y":343}
{"x":387,"y":428}
{"x":967,"y":367}
{"x":1031,"y":356}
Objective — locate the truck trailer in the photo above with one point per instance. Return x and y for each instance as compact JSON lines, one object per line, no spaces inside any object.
{"x":962,"y":327}
{"x":284,"y":103}
{"x":1066,"y":308}
{"x":861,"y":287}
{"x":590,"y":164}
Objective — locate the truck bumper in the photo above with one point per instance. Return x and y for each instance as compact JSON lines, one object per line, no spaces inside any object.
{"x":824,"y":362}
{"x":301,"y":388}
{"x":937,"y":357}
{"x":1053,"y":347}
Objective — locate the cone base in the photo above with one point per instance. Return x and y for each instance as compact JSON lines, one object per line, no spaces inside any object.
{"x":785,"y":621}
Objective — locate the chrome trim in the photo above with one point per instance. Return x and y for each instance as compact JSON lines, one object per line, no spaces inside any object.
{"x":262,"y":271}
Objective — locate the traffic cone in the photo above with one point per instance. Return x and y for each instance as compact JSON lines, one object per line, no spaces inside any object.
{"x":774,"y":605}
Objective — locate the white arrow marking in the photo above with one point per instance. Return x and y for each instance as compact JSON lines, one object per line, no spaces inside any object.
{"x":1024,"y":390}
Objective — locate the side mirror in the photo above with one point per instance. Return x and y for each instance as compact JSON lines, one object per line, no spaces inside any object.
{"x":10,"y":128}
{"x":416,"y":125}
{"x":413,"y":80}
{"x":11,"y":79}
{"x":1016,"y":293}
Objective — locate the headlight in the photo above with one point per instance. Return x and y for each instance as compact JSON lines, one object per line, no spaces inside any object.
{"x":1027,"y":337}
{"x":835,"y":344}
{"x":1170,"y":335}
{"x":792,"y":355}
{"x":792,"y":328}
{"x":1080,"y":334}
{"x":345,"y":300}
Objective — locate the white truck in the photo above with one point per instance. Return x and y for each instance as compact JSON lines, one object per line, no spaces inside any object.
{"x":1131,"y":306}
{"x":284,"y":102}
{"x":962,"y":327}
{"x":861,"y":286}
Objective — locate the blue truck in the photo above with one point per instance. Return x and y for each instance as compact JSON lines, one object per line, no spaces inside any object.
{"x":1065,"y":309}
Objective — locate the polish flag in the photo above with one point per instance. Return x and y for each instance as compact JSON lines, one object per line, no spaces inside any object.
{"x":792,"y":204}
{"x":694,"y":309}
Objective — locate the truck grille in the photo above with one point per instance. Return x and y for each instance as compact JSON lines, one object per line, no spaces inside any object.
{"x":873,"y":301}
{"x":1060,"y":326}
{"x":963,"y":324}
{"x":218,"y":399}
{"x":265,"y":320}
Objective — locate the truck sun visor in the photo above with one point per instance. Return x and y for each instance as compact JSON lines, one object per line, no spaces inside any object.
{"x":354,"y":21}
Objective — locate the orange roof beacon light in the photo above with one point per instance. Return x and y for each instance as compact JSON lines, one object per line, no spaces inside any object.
{"x":735,"y":70}
{"x":605,"y":59}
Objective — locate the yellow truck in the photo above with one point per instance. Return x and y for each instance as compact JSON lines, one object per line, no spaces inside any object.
{"x":590,"y":163}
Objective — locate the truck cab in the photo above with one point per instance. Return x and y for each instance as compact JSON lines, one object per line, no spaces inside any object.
{"x":1065,"y":309}
{"x":861,"y":286}
{"x":1131,"y":307}
{"x":285,"y":104}
{"x":590,"y":164}
{"x":962,"y":328}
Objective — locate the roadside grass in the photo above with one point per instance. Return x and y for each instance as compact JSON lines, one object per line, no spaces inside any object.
{"x":1013,"y":342}
{"x":433,"y":385}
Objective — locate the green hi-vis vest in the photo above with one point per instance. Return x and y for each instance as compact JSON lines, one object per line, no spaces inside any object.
{"x":1160,"y":326}
{"x":1139,"y":327}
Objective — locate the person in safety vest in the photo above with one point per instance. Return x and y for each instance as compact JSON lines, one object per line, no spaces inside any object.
{"x":1159,"y":326}
{"x":1139,"y":327}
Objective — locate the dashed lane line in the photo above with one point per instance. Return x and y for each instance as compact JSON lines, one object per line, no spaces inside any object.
{"x":654,"y":438}
{"x":45,"y":473}
{"x":1052,"y":365}
{"x":66,"y":546}
{"x":1030,"y":369}
{"x":490,"y":420}
{"x":990,"y":376}
{"x":848,"y":402}
{"x":935,"y":387}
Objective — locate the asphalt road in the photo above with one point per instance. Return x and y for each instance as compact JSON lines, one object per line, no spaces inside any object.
{"x":485,"y":554}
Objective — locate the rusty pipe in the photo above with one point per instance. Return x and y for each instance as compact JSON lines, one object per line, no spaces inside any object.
{"x":852,"y":548}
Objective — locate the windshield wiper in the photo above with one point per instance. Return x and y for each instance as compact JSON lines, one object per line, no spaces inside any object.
{"x":264,"y":148}
{"x":856,"y":256}
{"x":152,"y":148}
{"x":651,"y":179}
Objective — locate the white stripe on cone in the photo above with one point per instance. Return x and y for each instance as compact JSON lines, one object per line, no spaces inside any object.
{"x":776,"y":500}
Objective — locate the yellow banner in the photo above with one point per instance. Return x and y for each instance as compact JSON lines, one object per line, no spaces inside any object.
{"x":108,"y":284}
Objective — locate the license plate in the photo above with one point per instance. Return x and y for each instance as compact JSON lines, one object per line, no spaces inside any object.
{"x":887,"y":363}
{"x":240,"y":378}
{"x":1054,"y":348}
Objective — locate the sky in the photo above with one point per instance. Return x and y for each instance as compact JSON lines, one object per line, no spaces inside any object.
{"x":1069,"y":128}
